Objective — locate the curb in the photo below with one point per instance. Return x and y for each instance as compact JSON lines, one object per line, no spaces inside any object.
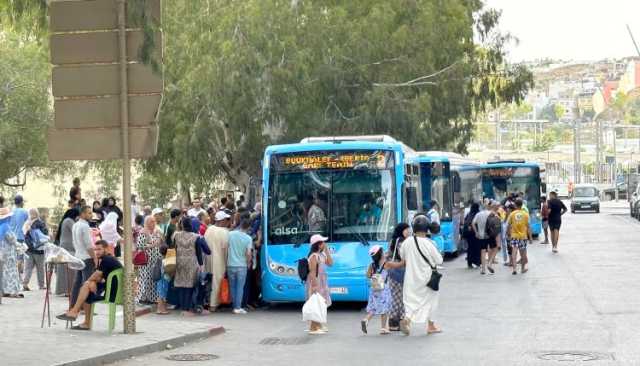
{"x":124,"y":354}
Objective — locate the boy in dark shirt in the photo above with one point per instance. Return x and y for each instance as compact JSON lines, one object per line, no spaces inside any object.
{"x":556,"y":210}
{"x":93,"y":289}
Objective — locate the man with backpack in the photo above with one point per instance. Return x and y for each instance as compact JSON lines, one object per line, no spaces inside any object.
{"x":494,"y":233}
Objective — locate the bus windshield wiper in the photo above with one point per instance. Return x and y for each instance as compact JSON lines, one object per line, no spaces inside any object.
{"x":360,"y":237}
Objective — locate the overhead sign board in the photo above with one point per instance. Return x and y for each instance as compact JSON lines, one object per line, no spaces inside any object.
{"x":85,"y":52}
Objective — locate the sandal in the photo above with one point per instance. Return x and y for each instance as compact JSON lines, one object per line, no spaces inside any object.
{"x":78,"y":327}
{"x":434,"y":331}
{"x":384,"y":331}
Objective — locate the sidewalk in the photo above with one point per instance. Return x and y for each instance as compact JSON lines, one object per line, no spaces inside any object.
{"x":23,"y":342}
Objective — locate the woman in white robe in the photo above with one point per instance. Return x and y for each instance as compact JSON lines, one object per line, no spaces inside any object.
{"x":420,"y":301}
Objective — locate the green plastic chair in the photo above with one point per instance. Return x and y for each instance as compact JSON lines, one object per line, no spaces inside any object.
{"x":119,"y":274}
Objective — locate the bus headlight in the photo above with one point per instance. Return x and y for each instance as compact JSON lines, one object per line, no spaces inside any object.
{"x":282,"y":269}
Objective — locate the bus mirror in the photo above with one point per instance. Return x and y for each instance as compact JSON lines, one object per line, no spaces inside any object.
{"x":412,"y":198}
{"x":456,"y":183}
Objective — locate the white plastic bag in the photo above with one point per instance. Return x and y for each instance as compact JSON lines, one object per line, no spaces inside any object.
{"x":58,"y":255}
{"x":315,"y":309}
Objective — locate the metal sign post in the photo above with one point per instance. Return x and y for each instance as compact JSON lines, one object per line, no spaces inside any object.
{"x":129,"y":306}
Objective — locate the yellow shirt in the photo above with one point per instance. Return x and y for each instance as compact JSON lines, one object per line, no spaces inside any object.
{"x":518,"y":221}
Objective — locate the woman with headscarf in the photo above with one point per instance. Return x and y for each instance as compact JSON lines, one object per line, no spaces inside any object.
{"x":149,"y":240}
{"x":109,"y":231}
{"x":420,"y":257}
{"x":10,"y":277}
{"x":396,"y":276}
{"x":112,"y":207}
{"x":99,"y":213}
{"x":64,"y":239}
{"x":188,"y":262}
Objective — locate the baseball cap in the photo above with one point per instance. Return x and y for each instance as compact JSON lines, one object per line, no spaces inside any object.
{"x":374,"y":249}
{"x":156,"y":211}
{"x":317,"y":238}
{"x":18,"y":199}
{"x":221,"y":215}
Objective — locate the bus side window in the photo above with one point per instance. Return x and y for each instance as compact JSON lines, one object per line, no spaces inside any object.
{"x":412,"y":198}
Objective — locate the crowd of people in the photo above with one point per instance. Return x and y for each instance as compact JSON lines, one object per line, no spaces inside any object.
{"x":181,"y":256}
{"x":184,"y":258}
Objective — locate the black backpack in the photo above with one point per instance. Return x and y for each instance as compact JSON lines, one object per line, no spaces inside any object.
{"x":493,"y":226}
{"x":466,"y":227}
{"x":303,"y":269}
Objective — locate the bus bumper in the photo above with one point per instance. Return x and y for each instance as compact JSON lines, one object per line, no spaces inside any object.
{"x":277,"y":288}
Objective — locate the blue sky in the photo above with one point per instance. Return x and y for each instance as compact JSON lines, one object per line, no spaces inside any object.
{"x":570,"y":29}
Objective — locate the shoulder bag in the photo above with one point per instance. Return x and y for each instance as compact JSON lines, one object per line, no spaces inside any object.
{"x":434,"y":281}
{"x":377,"y":280}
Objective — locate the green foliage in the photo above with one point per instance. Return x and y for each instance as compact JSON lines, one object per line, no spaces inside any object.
{"x":242,"y":75}
{"x":24,"y":106}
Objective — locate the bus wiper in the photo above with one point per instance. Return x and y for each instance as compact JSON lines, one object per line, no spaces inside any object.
{"x":360,"y":237}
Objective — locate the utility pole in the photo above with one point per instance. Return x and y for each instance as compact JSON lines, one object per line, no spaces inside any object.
{"x":615,"y":162}
{"x":498,"y":136}
{"x":598,"y":150}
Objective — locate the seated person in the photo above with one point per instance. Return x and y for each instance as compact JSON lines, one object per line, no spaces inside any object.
{"x":93,"y":289}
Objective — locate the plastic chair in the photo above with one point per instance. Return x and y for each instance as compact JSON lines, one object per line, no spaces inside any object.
{"x":119,"y":275}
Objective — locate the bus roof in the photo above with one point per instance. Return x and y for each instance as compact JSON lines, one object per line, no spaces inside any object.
{"x":341,"y":145}
{"x":511,"y":163}
{"x":338,"y":139}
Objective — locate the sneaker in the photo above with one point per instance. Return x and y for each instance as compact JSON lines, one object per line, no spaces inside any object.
{"x":317,"y":332}
{"x":363,"y":326}
{"x":491,"y":270}
{"x":514,"y":273}
{"x":404,"y":327}
{"x":239,"y":311}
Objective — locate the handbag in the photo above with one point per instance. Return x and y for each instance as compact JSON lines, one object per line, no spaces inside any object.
{"x":224,"y":295}
{"x":169,"y":262}
{"x":434,"y":281}
{"x":140,"y":258}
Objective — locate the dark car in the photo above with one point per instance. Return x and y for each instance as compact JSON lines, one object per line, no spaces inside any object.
{"x":585,"y":197}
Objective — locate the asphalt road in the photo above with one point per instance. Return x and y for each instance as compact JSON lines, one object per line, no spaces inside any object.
{"x":581,"y":306}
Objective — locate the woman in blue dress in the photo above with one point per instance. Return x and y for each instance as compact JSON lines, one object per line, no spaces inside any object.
{"x":379,"y":291}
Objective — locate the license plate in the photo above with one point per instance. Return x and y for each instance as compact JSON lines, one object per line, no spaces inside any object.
{"x":338,"y":290}
{"x":586,"y":206}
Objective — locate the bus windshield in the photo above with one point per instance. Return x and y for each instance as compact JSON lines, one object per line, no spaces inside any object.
{"x":437,"y":176}
{"x":331,"y":194}
{"x":499,"y":182}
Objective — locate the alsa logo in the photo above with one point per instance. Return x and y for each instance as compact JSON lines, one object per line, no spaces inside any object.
{"x":281,"y":231}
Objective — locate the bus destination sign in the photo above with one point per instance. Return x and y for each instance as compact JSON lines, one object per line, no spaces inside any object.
{"x":332,"y":160}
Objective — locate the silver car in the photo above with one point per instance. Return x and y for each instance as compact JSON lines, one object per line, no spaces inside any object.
{"x":585,"y":197}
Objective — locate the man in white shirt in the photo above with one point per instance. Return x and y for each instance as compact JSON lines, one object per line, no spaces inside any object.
{"x":479,"y":227}
{"x":83,"y":245}
{"x":196,"y":209}
{"x":217,"y":238}
{"x":434,"y":212}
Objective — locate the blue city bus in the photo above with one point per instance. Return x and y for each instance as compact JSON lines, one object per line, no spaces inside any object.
{"x":349,"y":189}
{"x":466,"y":179}
{"x":435,"y":184}
{"x":500,"y":178}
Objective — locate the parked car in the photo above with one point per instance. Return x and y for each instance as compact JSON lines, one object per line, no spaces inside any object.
{"x":610,"y":193}
{"x":585,"y":198}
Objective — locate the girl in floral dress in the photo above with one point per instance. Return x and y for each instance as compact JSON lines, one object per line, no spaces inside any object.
{"x":379,"y":292}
